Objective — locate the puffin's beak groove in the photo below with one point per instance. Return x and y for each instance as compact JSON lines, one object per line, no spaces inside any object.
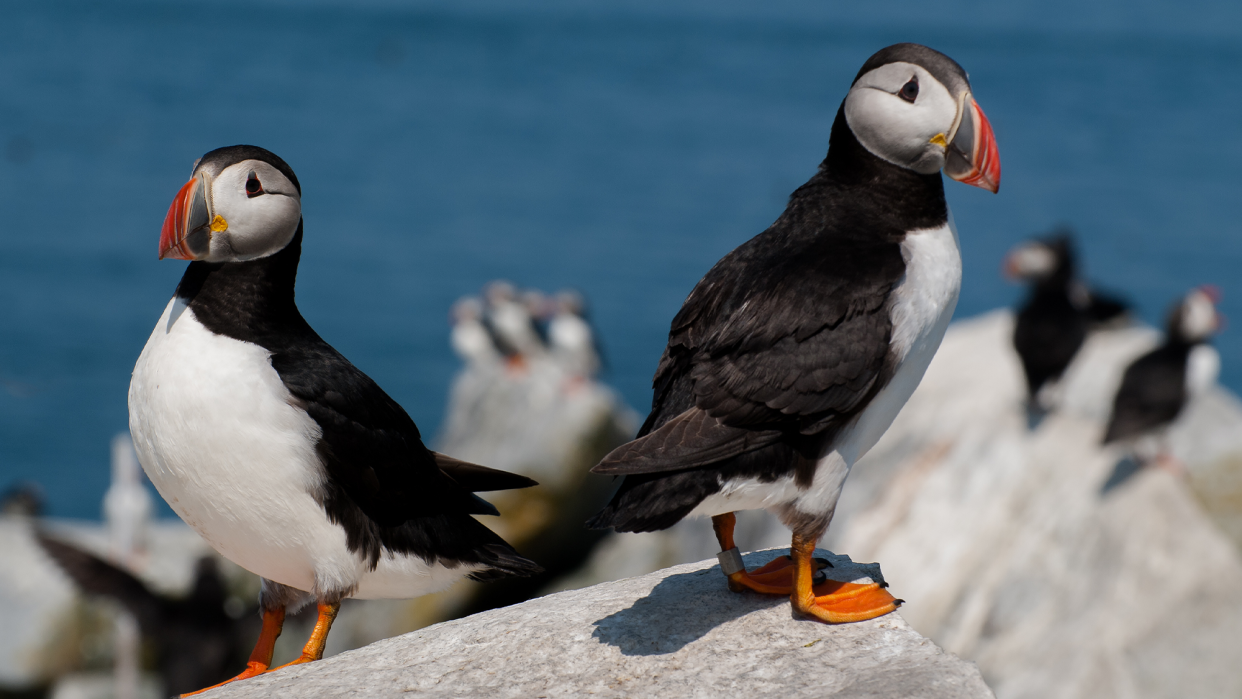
{"x":972,"y":156}
{"x":187,"y":230}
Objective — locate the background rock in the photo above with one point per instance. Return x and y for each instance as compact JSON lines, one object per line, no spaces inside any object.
{"x":675,"y":633}
{"x":1011,"y":550}
{"x":538,"y":419}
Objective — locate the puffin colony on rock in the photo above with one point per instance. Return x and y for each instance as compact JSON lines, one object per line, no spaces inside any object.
{"x":285,"y":457}
{"x":792,"y":356}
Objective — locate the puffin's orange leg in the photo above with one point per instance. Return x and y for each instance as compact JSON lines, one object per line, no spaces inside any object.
{"x":832,"y":601}
{"x":313,"y":650}
{"x":775,"y":578}
{"x":261,"y":656}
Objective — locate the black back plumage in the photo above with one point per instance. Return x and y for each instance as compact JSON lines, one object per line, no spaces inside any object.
{"x":383,"y":485}
{"x":1053,"y":322}
{"x":1051,"y":326}
{"x":783,"y":342}
{"x":1152,"y":392}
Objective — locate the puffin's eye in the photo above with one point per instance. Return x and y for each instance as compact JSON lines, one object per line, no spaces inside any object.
{"x":253,"y":187}
{"x":909,"y":91}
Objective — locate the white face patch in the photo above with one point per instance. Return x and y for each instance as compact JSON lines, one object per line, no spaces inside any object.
{"x":1032,"y":261}
{"x":1199,"y":319}
{"x":255,"y":225}
{"x":913,"y":135}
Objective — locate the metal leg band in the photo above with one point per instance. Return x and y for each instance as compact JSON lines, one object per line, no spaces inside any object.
{"x":731,"y":561}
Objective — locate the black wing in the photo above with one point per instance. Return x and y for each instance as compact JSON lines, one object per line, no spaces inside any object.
{"x":369,"y":445}
{"x":1047,"y":334}
{"x":480,"y":479}
{"x":1152,"y":393}
{"x":783,"y":336}
{"x":98,"y":577}
{"x":1105,"y":307}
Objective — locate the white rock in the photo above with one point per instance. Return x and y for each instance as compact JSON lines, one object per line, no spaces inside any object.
{"x":1009,"y":552}
{"x":675,"y":633}
{"x":533,"y":419}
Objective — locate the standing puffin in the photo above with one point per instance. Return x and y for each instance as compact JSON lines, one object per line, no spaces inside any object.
{"x":792,"y":356}
{"x":1158,"y":385}
{"x":1053,"y":322}
{"x":285,"y":457}
{"x":512,"y":324}
{"x":470,"y":337}
{"x":571,"y":337}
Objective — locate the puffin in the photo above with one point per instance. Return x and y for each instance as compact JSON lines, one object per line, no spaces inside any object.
{"x":284,"y":456}
{"x":194,"y":638}
{"x":795,"y":352}
{"x":570,"y":336}
{"x":512,"y":325}
{"x":1157,"y":386}
{"x":470,"y":337}
{"x":1059,"y":311}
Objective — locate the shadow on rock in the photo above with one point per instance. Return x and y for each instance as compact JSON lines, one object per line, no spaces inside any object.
{"x":679,"y":610}
{"x":1125,"y":469}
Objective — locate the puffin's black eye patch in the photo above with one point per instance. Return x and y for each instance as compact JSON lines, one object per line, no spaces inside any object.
{"x":253,"y":187}
{"x":910,"y":90}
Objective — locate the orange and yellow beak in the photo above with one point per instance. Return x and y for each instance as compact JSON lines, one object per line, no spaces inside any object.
{"x":186,"y":234}
{"x":972,"y":157}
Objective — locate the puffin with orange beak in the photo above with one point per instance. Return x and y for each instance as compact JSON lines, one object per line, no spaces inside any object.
{"x":795,"y":352}
{"x":1156,"y":388}
{"x":284,"y":456}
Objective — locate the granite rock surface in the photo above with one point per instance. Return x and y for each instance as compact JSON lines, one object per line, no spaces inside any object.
{"x":673,"y":633}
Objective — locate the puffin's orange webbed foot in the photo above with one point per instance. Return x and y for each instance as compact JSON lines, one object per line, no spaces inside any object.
{"x":848,"y":602}
{"x":832,"y":601}
{"x":774,"y":578}
{"x":261,"y":656}
{"x":313,"y":650}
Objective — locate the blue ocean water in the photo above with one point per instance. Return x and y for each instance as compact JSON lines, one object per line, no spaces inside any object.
{"x":619,"y":148}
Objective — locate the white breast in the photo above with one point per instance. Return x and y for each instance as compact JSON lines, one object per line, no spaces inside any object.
{"x":1202,"y":370}
{"x":513,"y":323}
{"x":472,"y":343}
{"x":922,"y":307}
{"x":217,"y":433}
{"x":573,"y":344}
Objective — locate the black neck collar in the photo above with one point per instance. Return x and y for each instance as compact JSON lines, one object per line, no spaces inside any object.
{"x":855,"y":175}
{"x":251,"y":301}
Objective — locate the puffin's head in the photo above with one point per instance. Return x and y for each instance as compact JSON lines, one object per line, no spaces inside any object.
{"x":466,"y":309}
{"x":570,"y":301}
{"x":1040,"y":259}
{"x":912,"y":106}
{"x":241,"y":203}
{"x":499,"y":292}
{"x":1195,"y":318}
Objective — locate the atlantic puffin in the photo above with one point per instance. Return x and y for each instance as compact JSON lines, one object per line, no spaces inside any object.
{"x":570,"y":336}
{"x":1158,"y":385}
{"x":511,"y":323}
{"x":1059,"y":311}
{"x":792,"y":356}
{"x":470,"y":337}
{"x":282,"y":454}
